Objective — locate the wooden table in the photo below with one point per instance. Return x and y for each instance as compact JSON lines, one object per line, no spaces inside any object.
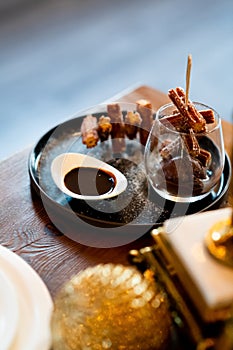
{"x":26,"y":229}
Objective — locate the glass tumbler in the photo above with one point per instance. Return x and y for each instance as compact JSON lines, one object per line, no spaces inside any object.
{"x":184,"y":166}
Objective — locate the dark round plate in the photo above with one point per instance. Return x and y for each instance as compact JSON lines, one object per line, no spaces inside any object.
{"x":138,"y":208}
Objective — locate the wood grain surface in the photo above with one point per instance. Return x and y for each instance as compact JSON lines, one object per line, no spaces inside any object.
{"x":26,"y":229}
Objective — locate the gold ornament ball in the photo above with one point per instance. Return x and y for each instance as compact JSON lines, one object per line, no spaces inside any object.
{"x":110,"y":307}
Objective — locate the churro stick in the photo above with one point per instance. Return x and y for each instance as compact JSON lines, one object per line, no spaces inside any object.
{"x":171,"y":149}
{"x":104,"y":128}
{"x":89,"y":131}
{"x":176,"y":120}
{"x":193,"y":118}
{"x":118,"y":128}
{"x":114,"y":112}
{"x":208,"y":115}
{"x":204,"y":157}
{"x":132,"y":123}
{"x":191,"y":144}
{"x":144,"y":108}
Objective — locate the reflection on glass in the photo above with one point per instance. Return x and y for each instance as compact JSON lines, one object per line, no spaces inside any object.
{"x":183,"y":165}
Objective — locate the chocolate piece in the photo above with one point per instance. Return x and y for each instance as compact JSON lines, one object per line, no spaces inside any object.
{"x":118,"y":128}
{"x":89,"y":131}
{"x":104,"y":128}
{"x":144,"y":108}
{"x":132,"y":123}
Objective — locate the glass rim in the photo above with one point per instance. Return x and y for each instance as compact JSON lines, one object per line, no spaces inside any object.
{"x":207,"y":132}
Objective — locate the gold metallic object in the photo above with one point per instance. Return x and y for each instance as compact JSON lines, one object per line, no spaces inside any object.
{"x":159,"y":262}
{"x":111,"y":307}
{"x":219,"y":241}
{"x":225,"y":340}
{"x":201,"y":328}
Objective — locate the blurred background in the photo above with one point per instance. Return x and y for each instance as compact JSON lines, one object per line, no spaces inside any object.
{"x":61,"y":56}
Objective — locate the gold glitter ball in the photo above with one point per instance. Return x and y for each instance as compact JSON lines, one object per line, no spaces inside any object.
{"x":110,"y":307}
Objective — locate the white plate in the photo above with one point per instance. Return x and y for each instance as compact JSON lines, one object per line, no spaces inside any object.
{"x":9,"y":311}
{"x":34,"y":304}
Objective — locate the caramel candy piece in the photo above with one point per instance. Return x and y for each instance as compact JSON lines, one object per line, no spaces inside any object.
{"x":89,"y":131}
{"x":118,"y":128}
{"x":104,"y":128}
{"x":132,"y":123}
{"x":144,"y":108}
{"x":191,"y":116}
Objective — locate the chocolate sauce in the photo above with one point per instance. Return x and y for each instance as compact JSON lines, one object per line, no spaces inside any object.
{"x":88,"y":181}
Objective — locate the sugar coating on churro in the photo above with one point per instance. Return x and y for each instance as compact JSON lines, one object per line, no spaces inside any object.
{"x":132,"y":122}
{"x":133,"y":118}
{"x":89,"y":131}
{"x":104,"y":128}
{"x":192,"y":118}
